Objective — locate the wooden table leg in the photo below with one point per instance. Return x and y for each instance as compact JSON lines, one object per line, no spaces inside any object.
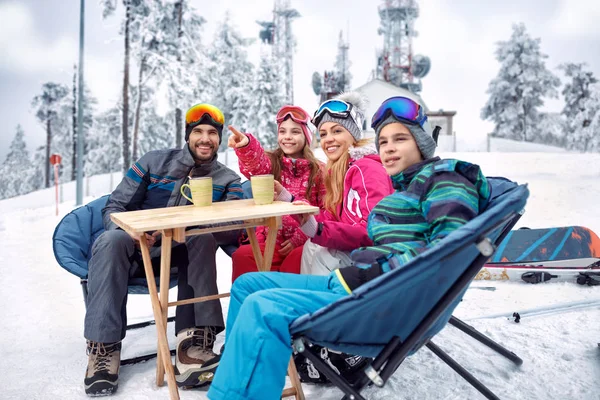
{"x":161,"y":328}
{"x":273,"y":224}
{"x":165,"y":275}
{"x":255,"y":247}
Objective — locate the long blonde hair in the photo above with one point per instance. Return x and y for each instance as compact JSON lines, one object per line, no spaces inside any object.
{"x":335,"y":172}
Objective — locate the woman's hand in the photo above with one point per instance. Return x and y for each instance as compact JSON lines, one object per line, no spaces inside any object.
{"x":237,"y":139}
{"x":286,"y":248}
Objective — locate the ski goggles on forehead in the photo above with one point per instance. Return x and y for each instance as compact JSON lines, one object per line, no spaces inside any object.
{"x":297,"y":114}
{"x":196,"y":113}
{"x":403,"y":109}
{"x":339,"y":109}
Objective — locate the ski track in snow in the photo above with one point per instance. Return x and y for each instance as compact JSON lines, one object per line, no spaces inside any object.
{"x":42,"y":349}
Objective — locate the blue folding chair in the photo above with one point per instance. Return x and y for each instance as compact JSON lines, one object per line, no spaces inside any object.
{"x":72,"y":243}
{"x":406,"y":307}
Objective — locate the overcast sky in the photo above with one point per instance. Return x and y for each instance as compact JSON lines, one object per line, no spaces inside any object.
{"x":39,"y":43}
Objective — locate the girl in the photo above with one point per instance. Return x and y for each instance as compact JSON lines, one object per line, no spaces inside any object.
{"x":433,"y":197}
{"x":294,"y":165}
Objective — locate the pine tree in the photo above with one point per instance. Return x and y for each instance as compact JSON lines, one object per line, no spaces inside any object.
{"x":518,"y":90}
{"x":47,"y":105}
{"x":12,"y":171}
{"x":581,"y":105}
{"x":104,"y":145}
{"x":230,"y":75}
{"x":586,"y":136}
{"x":267,"y":99}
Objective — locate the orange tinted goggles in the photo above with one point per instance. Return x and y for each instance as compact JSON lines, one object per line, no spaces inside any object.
{"x":296,"y":113}
{"x":195,"y":113}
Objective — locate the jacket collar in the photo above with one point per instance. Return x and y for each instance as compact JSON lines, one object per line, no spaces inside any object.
{"x":401,"y":180}
{"x":188,"y":160}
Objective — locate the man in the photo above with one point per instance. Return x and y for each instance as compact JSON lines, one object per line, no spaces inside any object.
{"x":154,"y":181}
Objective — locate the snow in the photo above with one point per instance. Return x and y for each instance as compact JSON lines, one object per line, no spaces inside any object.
{"x":42,"y":349}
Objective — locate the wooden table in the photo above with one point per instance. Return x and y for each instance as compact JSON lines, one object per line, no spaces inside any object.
{"x":172,"y":222}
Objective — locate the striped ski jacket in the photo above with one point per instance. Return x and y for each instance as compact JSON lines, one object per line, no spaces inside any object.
{"x":155,"y":179}
{"x":432,"y":199}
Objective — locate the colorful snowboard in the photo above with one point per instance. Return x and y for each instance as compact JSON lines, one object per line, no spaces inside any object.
{"x":549,"y":244}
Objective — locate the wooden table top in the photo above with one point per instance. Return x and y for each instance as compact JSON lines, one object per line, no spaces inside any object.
{"x":220,"y":212}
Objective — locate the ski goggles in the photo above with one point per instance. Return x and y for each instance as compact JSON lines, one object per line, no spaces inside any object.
{"x":296,"y":113}
{"x":338,"y":109}
{"x":403,"y":109}
{"x":196,"y":113}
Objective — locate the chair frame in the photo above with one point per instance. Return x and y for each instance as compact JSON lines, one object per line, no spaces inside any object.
{"x":396,"y":350}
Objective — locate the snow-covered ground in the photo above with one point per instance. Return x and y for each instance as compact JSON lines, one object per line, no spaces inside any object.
{"x":42,"y":350}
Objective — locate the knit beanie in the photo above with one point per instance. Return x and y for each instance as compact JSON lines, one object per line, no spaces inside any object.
{"x":422,"y":136}
{"x":205,"y":120}
{"x":359,"y":104}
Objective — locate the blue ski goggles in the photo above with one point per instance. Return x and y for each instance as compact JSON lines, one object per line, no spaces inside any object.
{"x":338,"y":109}
{"x":403,"y":109}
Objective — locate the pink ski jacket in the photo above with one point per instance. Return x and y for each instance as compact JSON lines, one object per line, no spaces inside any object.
{"x":253,"y":160}
{"x":365,"y":184}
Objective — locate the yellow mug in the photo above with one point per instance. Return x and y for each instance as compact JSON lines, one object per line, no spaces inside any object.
{"x":263,"y":188}
{"x":201,"y":189}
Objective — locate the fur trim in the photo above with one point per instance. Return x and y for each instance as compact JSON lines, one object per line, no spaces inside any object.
{"x":356,"y":153}
{"x":357,"y":99}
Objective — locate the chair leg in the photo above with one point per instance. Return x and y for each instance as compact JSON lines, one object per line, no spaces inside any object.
{"x":475,"y":334}
{"x":462,"y":372}
{"x":146,"y":323}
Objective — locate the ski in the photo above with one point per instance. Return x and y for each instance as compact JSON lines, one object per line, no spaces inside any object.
{"x":581,"y":271}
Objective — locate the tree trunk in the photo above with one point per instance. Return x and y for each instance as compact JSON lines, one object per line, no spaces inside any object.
{"x":138,"y":110}
{"x":48,"y":142}
{"x":74,"y":108}
{"x":178,"y":112}
{"x":125,"y":121}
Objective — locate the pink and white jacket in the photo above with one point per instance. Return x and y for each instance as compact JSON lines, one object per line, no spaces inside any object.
{"x":365,"y":184}
{"x":253,"y":160}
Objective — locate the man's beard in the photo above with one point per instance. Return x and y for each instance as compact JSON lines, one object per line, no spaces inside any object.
{"x":200,"y":157}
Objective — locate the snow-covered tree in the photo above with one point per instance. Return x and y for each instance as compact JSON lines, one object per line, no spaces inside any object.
{"x":520,"y":86}
{"x":580,"y":104}
{"x":267,"y":99}
{"x":47,"y":105}
{"x":104,"y":143}
{"x":13,"y":172}
{"x":230,"y":75}
{"x":585,"y":135}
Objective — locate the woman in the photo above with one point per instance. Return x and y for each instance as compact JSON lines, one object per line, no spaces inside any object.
{"x":296,"y":169}
{"x":355,"y":181}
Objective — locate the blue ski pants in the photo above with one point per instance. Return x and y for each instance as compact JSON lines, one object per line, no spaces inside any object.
{"x":258,"y":342}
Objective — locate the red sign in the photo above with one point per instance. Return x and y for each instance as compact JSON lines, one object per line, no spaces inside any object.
{"x":55,"y":159}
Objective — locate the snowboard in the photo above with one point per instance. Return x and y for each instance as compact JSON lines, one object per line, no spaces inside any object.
{"x":548,"y":244}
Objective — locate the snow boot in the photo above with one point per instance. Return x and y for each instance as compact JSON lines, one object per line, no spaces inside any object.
{"x":102,"y":374}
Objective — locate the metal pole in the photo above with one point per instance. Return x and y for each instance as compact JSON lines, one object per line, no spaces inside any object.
{"x":79,"y":176}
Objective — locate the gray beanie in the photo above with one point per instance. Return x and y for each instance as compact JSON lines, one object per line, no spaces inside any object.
{"x":359,"y":104}
{"x":422,"y":136}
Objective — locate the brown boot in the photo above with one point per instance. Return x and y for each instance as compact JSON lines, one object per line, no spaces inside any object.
{"x":194,"y":348}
